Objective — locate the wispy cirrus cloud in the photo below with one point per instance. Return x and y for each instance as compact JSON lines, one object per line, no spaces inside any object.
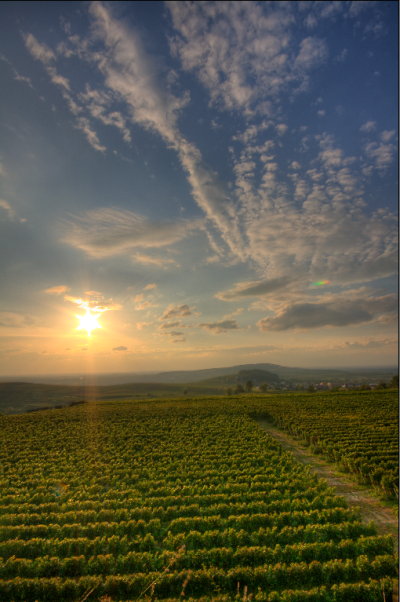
{"x":135,"y":90}
{"x":253,"y":289}
{"x":111,"y":231}
{"x":132,"y":74}
{"x":84,"y":106}
{"x":8,"y":212}
{"x":60,"y":289}
{"x":151,"y":260}
{"x":39,"y":51}
{"x":376,"y":343}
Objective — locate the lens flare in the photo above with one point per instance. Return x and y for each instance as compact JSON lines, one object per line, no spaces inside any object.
{"x":321,"y":283}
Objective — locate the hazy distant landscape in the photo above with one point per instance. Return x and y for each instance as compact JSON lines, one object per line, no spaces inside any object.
{"x":33,"y":393}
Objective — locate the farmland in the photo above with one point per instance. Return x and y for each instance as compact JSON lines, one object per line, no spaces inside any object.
{"x":357,"y":431}
{"x":191,"y":499}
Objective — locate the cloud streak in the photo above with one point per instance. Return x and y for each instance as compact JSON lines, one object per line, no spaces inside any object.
{"x":253,"y":289}
{"x":135,"y":77}
{"x":220,"y":327}
{"x":337,"y":313}
{"x":111,"y":231}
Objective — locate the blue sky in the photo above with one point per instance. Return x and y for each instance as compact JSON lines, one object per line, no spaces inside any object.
{"x":217,"y":180}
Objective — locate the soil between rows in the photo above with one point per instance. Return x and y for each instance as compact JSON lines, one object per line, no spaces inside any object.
{"x":371,"y":509}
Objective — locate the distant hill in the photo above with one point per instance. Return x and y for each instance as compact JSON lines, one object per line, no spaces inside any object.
{"x":256,"y":376}
{"x":193,"y":376}
{"x":60,"y":391}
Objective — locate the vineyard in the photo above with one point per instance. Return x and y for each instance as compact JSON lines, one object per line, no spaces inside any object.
{"x":191,"y":499}
{"x":357,"y":431}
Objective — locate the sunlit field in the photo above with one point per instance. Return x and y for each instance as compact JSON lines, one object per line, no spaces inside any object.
{"x":191,"y":499}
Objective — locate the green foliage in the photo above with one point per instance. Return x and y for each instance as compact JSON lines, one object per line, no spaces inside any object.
{"x":357,"y":430}
{"x":146,"y":500}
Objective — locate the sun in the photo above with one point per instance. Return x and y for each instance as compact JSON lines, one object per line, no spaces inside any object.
{"x":89,"y":321}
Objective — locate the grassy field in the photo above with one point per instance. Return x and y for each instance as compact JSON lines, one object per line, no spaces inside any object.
{"x":187,"y":499}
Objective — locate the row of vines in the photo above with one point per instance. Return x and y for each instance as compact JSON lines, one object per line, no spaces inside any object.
{"x":174,"y":500}
{"x":358,"y":431}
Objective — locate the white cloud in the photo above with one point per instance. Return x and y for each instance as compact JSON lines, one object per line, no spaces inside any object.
{"x":368,"y":126}
{"x":99,"y":104}
{"x":41,"y":52}
{"x":310,"y":21}
{"x":253,"y":288}
{"x":358,"y":6}
{"x":281,"y":129}
{"x":381,"y":154}
{"x":83,"y":124}
{"x":109,"y":231}
{"x":151,"y":260}
{"x":331,"y":157}
{"x":38,"y":50}
{"x":129,"y":71}
{"x":333,"y":8}
{"x":244,"y":56}
{"x":387,"y":135}
{"x":335,"y":240}
{"x":313,"y":51}
{"x":8,"y":212}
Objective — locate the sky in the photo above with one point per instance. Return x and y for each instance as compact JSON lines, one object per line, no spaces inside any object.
{"x":214,"y":182}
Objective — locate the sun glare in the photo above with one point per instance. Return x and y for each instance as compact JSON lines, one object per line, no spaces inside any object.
{"x":89,"y":321}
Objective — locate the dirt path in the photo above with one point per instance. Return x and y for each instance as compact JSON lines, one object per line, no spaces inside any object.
{"x":371,"y":509}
